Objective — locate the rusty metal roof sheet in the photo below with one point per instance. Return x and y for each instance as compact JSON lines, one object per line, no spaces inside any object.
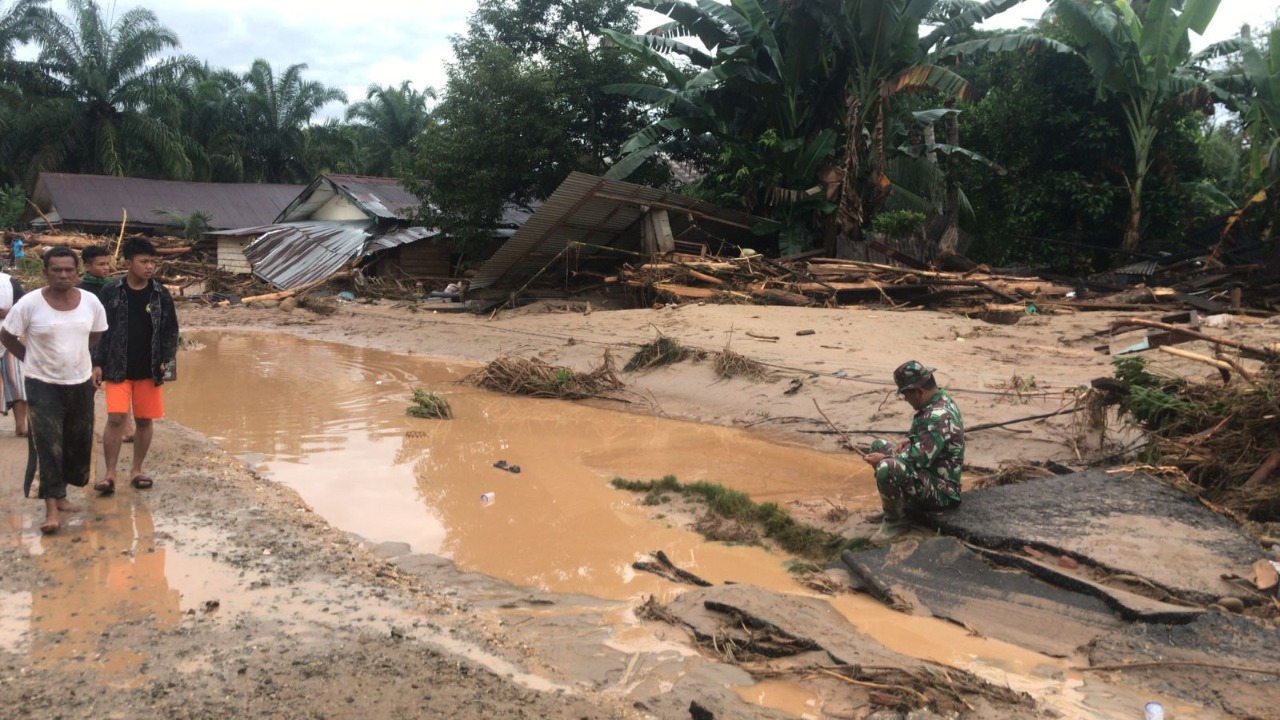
{"x":99,"y":199}
{"x":289,"y":255}
{"x":378,"y":197}
{"x":603,"y":213}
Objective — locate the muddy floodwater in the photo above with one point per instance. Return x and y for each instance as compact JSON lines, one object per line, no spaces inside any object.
{"x":329,"y":421}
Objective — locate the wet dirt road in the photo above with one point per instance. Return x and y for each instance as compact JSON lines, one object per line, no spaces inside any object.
{"x":328,"y":421}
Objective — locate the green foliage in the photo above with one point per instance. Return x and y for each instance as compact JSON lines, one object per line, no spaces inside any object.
{"x":390,"y":120}
{"x":898,"y":223}
{"x":797,"y":538}
{"x":1042,"y":121}
{"x":522,"y":108}
{"x":429,"y":405}
{"x":13,"y":202}
{"x":790,"y":108}
{"x":192,"y":225}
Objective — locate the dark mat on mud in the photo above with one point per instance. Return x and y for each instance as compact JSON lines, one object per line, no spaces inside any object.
{"x":943,"y":578}
{"x":1232,"y":642}
{"x":1129,"y":523}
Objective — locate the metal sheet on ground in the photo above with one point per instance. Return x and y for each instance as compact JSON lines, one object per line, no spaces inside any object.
{"x":944,"y":578}
{"x":1130,"y":523}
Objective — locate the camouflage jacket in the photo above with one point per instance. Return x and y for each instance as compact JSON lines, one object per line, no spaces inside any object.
{"x":936,"y":441}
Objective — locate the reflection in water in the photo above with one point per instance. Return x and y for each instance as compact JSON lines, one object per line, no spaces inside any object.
{"x":115,"y":575}
{"x":330,"y":421}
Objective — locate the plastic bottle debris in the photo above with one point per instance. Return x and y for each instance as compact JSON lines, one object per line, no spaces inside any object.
{"x":1155,"y":711}
{"x":488,"y":499}
{"x":347,"y":295}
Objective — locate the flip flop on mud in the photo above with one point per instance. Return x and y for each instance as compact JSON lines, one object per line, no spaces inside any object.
{"x":141,"y":482}
{"x":105,"y":487}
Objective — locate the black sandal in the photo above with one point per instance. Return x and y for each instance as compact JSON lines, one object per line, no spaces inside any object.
{"x":105,"y":487}
{"x":141,"y":482}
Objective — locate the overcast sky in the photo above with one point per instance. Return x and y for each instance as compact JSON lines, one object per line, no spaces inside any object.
{"x":350,"y":44}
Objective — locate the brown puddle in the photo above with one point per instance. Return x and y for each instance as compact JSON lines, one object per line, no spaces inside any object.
{"x":328,"y":420}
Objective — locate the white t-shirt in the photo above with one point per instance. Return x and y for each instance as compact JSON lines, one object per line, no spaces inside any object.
{"x":57,"y":341}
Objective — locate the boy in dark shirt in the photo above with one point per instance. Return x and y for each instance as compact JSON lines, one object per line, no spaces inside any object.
{"x":139,"y":347}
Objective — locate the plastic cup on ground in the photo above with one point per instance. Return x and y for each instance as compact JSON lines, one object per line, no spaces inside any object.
{"x":488,"y":499}
{"x":1155,"y":711}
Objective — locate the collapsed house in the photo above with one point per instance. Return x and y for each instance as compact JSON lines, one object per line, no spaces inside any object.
{"x":99,"y":204}
{"x":340,"y":221}
{"x":591,"y":222}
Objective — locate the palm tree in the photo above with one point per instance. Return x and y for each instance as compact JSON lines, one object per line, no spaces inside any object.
{"x":1144,"y":60}
{"x":211,"y":118}
{"x":97,"y":105}
{"x":393,"y":118}
{"x":278,"y":109}
{"x":17,"y":24}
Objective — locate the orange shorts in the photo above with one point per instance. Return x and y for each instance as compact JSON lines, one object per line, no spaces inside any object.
{"x":143,"y":395}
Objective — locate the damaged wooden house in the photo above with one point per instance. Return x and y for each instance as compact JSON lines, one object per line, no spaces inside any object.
{"x":590,"y":227}
{"x":340,"y":222}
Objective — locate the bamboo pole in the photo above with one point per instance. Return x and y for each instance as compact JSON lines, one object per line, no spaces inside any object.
{"x":1256,"y":353}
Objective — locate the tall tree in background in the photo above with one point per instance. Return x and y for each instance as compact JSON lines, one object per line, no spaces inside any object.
{"x":798,"y":94}
{"x":95,"y":108}
{"x":278,"y":108}
{"x":1142,"y":56}
{"x":523,"y":107}
{"x":18,"y":23}
{"x":392,"y":118}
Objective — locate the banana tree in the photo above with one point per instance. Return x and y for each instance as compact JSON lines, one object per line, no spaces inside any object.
{"x":1145,"y":60}
{"x":785,"y":73}
{"x":1254,"y":87}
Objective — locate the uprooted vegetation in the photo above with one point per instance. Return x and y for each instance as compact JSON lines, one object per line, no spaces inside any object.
{"x":658,"y":352}
{"x":730,"y":364}
{"x":429,"y":405}
{"x":732,"y":516}
{"x":534,"y":378}
{"x":1225,"y":439}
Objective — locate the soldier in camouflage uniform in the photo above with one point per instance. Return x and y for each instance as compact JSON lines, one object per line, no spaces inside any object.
{"x":923,"y":471}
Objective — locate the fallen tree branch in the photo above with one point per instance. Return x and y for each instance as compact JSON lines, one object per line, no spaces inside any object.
{"x":1029,"y":418}
{"x":1175,"y":663}
{"x":843,"y":436}
{"x":1256,"y":353}
{"x":298,"y":291}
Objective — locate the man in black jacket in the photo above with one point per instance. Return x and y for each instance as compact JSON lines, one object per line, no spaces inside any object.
{"x":136,"y":353}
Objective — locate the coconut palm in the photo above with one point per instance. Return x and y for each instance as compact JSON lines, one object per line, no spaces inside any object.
{"x":393,"y":118}
{"x":277,"y":111}
{"x":97,"y":102}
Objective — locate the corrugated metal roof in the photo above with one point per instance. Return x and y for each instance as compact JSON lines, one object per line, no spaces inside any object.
{"x":99,"y":199}
{"x":593,"y":210}
{"x":289,"y":255}
{"x":379,"y":197}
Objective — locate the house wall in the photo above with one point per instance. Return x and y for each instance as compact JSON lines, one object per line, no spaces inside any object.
{"x":339,"y":208}
{"x":422,"y":259}
{"x":231,"y":254}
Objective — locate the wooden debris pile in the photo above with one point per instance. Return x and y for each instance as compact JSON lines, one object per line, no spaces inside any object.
{"x":828,"y":282}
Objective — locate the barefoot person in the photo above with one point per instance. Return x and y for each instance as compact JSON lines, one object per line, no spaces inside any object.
{"x":11,"y":378}
{"x":922,"y":472}
{"x":138,"y":349}
{"x":51,"y":332}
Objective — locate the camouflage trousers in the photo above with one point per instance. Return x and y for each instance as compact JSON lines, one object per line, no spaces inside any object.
{"x":898,"y":480}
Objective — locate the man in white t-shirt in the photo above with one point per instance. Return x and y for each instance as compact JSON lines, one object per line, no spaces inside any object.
{"x":51,"y":331}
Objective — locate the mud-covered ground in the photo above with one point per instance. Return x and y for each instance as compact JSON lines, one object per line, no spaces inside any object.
{"x":219,"y":593}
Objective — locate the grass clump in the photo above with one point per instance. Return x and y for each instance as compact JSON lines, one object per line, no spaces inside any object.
{"x":747,"y":520}
{"x":429,"y":405}
{"x":661,"y":351}
{"x":535,"y":378}
{"x":730,"y":364}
